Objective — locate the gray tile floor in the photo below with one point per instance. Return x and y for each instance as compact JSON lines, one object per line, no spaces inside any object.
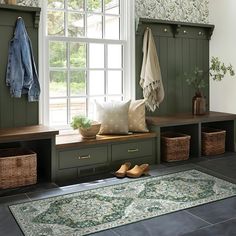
{"x":213,"y":219}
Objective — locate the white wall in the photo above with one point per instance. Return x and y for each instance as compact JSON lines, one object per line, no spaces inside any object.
{"x":223,"y":44}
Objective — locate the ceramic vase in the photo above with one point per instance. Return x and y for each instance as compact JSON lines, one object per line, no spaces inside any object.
{"x":199,"y":104}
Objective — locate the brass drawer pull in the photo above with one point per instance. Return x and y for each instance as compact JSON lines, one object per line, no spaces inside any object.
{"x":84,"y":157}
{"x":133,"y":150}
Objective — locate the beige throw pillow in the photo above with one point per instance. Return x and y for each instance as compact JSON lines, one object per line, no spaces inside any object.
{"x":137,"y":120}
{"x":113,"y":117}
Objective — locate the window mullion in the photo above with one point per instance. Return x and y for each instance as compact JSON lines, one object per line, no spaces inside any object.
{"x":82,"y":39}
{"x":87,"y":76}
{"x":103,"y":19}
{"x":123,"y":19}
{"x":106,"y":69}
{"x":68,"y":83}
{"x":66,"y":18}
{"x":85,"y":19}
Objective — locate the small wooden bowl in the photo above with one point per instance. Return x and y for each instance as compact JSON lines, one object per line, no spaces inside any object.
{"x":91,"y":132}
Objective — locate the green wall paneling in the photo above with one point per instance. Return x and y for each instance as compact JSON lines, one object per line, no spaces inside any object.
{"x":180,"y":48}
{"x":15,"y":112}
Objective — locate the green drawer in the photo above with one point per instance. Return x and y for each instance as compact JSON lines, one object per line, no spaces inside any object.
{"x":132,"y":150}
{"x":82,"y":157}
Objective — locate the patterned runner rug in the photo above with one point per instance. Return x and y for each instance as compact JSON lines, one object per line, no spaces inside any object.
{"x":106,"y":207}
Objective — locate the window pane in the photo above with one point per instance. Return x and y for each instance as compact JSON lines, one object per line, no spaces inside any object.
{"x":78,"y":107}
{"x":76,"y":5}
{"x":58,"y":85}
{"x":94,"y":5}
{"x":114,"y":98}
{"x":112,"y":7}
{"x":57,"y":54}
{"x":56,"y":23}
{"x":112,"y":27}
{"x":58,"y":111}
{"x":114,"y":82}
{"x":56,"y":4}
{"x":78,"y":55}
{"x":94,"y":26}
{"x":75,"y":24}
{"x":92,"y":106}
{"x":77,"y":83}
{"x":96,"y":83}
{"x":114,"y":56}
{"x":96,"y":55}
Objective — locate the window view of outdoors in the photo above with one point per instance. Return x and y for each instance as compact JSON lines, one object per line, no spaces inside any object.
{"x":85,"y":56}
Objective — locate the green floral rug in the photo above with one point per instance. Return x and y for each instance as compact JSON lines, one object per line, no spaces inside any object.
{"x":106,"y":207}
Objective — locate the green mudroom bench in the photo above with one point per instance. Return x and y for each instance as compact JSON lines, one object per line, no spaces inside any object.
{"x":77,"y":157}
{"x":193,"y":126}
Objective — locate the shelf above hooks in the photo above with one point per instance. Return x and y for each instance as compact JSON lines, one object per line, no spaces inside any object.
{"x":35,"y":11}
{"x":177,"y":29}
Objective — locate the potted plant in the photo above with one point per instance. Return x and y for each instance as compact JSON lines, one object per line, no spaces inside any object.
{"x":198,"y":77}
{"x":87,"y":127}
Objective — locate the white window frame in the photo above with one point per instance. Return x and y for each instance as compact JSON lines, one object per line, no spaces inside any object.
{"x":128,"y":15}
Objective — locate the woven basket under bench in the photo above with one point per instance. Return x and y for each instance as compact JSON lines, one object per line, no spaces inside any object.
{"x":18,"y":167}
{"x":175,"y":146}
{"x":213,"y":141}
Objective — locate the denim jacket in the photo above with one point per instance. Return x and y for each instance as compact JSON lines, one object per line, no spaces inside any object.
{"x":22,"y":76}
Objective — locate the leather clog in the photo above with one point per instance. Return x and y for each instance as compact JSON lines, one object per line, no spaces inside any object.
{"x":138,"y":171}
{"x":123,"y":169}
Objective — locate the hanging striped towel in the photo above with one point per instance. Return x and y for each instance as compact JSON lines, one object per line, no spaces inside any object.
{"x":151,"y":81}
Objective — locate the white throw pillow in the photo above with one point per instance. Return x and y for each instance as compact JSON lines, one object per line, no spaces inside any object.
{"x":113,"y":117}
{"x":137,"y":119}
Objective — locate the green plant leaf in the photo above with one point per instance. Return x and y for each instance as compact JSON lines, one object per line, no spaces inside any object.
{"x":81,"y":122}
{"x":217,"y":71}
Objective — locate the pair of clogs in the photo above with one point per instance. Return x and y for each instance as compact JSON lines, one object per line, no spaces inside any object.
{"x":135,"y":172}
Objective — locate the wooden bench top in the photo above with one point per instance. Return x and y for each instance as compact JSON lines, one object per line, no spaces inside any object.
{"x":27,"y":133}
{"x":188,"y":118}
{"x":76,"y":140}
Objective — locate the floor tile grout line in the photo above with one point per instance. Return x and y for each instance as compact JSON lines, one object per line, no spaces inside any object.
{"x":229,"y":155}
{"x":217,"y":173}
{"x":117,"y":234}
{"x":28,"y":196}
{"x":198,"y":217}
{"x":29,"y":192}
{"x":16,"y":202}
{"x":14,"y":195}
{"x":221,"y":222}
{"x":224,"y":221}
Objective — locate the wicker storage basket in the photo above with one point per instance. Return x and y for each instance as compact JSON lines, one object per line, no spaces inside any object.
{"x":18,"y":167}
{"x":175,"y":146}
{"x":213,"y":141}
